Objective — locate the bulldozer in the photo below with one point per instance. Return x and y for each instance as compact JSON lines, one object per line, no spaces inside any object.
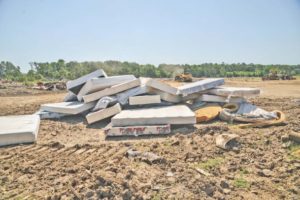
{"x":184,"y":77}
{"x":275,"y":76}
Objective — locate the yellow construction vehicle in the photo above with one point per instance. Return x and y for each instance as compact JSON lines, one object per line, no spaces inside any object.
{"x":185,"y":77}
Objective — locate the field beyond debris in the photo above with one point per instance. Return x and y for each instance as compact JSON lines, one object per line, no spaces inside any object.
{"x":73,"y":160}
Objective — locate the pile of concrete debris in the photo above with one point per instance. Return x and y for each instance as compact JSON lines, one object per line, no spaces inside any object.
{"x":143,"y":106}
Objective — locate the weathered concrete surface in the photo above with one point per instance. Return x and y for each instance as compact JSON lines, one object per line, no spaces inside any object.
{"x":200,"y":86}
{"x":221,"y":99}
{"x":235,"y":91}
{"x":166,"y":96}
{"x":146,"y":99}
{"x":103,"y":114}
{"x":50,"y":115}
{"x":178,"y":114}
{"x":137,"y":130}
{"x":73,"y":107}
{"x":18,"y":129}
{"x":105,"y":102}
{"x":70,"y":97}
{"x":96,"y":84}
{"x":75,"y":85}
{"x":111,"y":90}
{"x":162,"y":86}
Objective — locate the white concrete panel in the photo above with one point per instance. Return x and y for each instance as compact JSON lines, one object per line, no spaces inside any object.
{"x":143,"y":100}
{"x":73,"y":107}
{"x":103,"y":114}
{"x":235,"y":91}
{"x":200,"y":86}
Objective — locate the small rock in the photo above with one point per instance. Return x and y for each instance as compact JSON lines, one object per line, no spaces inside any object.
{"x":224,"y":184}
{"x":285,"y":138}
{"x":170,"y":174}
{"x":127,"y":195}
{"x":265,"y":173}
{"x":89,"y":194}
{"x":209,"y":189}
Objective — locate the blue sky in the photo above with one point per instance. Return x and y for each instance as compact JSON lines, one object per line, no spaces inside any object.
{"x":150,"y":31}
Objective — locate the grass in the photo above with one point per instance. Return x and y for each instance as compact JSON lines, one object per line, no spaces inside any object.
{"x":241,"y":183}
{"x":294,"y":152}
{"x":210,"y":163}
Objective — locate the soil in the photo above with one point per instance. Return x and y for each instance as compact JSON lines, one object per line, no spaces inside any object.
{"x":73,"y":160}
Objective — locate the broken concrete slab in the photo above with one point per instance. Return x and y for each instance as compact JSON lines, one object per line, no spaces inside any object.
{"x":18,"y":129}
{"x":200,"y":86}
{"x":235,"y":91}
{"x":137,"y":130}
{"x":75,"y":85}
{"x":50,"y":115}
{"x":166,"y":96}
{"x":103,"y":114}
{"x":162,"y":86}
{"x":111,"y":90}
{"x":123,"y":97}
{"x":96,"y":84}
{"x":105,"y":102}
{"x":178,"y":114}
{"x":220,"y":99}
{"x":143,"y":100}
{"x":73,"y":107}
{"x":70,"y":97}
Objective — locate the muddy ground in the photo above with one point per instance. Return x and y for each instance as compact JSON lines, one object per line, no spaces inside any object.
{"x":74,"y":161}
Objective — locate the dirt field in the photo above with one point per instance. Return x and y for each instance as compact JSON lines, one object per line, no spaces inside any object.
{"x":74,"y":161}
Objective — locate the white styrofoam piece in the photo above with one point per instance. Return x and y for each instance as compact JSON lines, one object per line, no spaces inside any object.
{"x":103,"y":114}
{"x":137,"y":130}
{"x":252,"y":111}
{"x":162,"y":86}
{"x":96,"y":84}
{"x":200,"y":86}
{"x":73,"y":107}
{"x":75,"y":85}
{"x":235,"y":91}
{"x":112,"y":90}
{"x":18,"y":129}
{"x":220,"y":99}
{"x":178,"y":114}
{"x":146,"y":99}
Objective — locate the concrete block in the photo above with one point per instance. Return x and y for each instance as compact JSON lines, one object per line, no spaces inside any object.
{"x":178,"y":114}
{"x":96,"y":84}
{"x":137,"y":130}
{"x":50,"y":115}
{"x":18,"y":129}
{"x":146,"y":99}
{"x":166,"y":96}
{"x":103,"y":114}
{"x":111,"y":90}
{"x":162,"y":86}
{"x":105,"y":102}
{"x":200,"y":86}
{"x":75,"y":85}
{"x":220,"y":99}
{"x":70,"y":97}
{"x":235,"y":91}
{"x":73,"y":107}
{"x":123,"y":97}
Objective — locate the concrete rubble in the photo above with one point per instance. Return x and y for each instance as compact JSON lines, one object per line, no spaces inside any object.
{"x":73,"y":107}
{"x":143,"y":100}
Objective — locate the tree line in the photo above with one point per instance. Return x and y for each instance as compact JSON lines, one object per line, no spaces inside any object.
{"x":61,"y":70}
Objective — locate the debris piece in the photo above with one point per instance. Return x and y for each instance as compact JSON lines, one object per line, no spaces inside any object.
{"x":111,"y":90}
{"x":203,"y":172}
{"x":19,"y":129}
{"x":294,"y":136}
{"x":103,"y":114}
{"x":132,"y":153}
{"x":123,"y":97}
{"x":147,"y":157}
{"x":146,"y":99}
{"x":232,"y":107}
{"x":75,"y":85}
{"x":70,"y":97}
{"x":178,"y":114}
{"x":208,"y":112}
{"x":73,"y":107}
{"x":166,"y":96}
{"x":137,"y":130}
{"x":96,"y":84}
{"x":50,"y":115}
{"x":265,"y":173}
{"x":105,"y":102}
{"x":200,"y":86}
{"x":234,"y":91}
{"x":227,"y":141}
{"x":220,"y":99}
{"x":162,"y":86}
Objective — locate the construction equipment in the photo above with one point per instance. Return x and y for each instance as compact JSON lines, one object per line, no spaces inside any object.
{"x":275,"y":76}
{"x":184,"y":77}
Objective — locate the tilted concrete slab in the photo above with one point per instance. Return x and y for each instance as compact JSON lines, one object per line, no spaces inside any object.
{"x":103,"y":114}
{"x":162,"y":86}
{"x":200,"y":86}
{"x":137,"y":130}
{"x":221,"y":99}
{"x":50,"y":115}
{"x":178,"y":114}
{"x":123,"y":97}
{"x":73,"y":107}
{"x":143,"y":100}
{"x":97,"y":84}
{"x":18,"y":129}
{"x":111,"y":90}
{"x":75,"y":85}
{"x":235,"y":91}
{"x":166,"y":96}
{"x":105,"y":102}
{"x":70,"y":97}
